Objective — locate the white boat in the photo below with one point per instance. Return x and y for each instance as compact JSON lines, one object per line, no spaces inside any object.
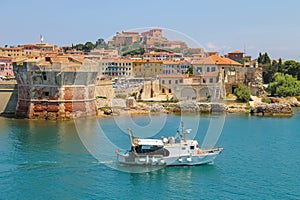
{"x":167,"y":151}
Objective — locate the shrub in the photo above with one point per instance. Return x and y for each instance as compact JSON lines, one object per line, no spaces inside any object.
{"x":284,"y":85}
{"x":243,"y":93}
{"x":266,"y":100}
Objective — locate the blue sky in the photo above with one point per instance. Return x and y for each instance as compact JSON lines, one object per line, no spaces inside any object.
{"x":271,"y":26}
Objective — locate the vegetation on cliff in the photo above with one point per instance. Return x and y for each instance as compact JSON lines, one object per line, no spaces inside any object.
{"x":270,"y":68}
{"x":284,"y":85}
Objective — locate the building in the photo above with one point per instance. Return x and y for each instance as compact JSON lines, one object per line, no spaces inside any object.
{"x":185,"y":87}
{"x":146,"y":68}
{"x":39,"y":49}
{"x":163,"y":55}
{"x":11,"y":52}
{"x":59,"y":87}
{"x":6,"y":68}
{"x":175,"y":67}
{"x":116,"y":68}
{"x":124,"y":38}
{"x":235,"y":55}
{"x":168,"y":82}
{"x":105,"y":53}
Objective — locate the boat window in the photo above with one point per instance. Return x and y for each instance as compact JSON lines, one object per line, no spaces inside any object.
{"x":192,"y":147}
{"x":183,"y":148}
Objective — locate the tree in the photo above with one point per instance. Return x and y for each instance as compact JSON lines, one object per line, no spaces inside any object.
{"x":100,"y":43}
{"x":243,"y":93}
{"x":189,"y":71}
{"x":284,"y":85}
{"x":293,"y":68}
{"x":88,"y":46}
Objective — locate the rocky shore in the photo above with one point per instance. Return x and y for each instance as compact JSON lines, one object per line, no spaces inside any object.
{"x":278,"y":107}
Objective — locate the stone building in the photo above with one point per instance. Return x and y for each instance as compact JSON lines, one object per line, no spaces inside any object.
{"x":55,"y":87}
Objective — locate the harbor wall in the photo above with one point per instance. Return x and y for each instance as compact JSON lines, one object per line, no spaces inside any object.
{"x":8,"y":97}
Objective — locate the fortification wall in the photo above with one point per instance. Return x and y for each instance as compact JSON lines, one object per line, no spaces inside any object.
{"x":8,"y":97}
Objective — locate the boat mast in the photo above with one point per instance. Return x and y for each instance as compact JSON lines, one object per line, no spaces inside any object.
{"x":182,"y":133}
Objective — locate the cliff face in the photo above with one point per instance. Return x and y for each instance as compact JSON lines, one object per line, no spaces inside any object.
{"x":59,"y":88}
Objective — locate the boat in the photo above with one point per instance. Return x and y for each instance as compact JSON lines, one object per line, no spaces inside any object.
{"x":171,"y":151}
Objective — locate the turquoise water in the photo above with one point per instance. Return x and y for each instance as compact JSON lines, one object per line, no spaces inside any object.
{"x":47,"y":160}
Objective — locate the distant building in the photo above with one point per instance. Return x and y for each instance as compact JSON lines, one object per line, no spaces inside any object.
{"x":146,"y":68}
{"x":163,"y":55}
{"x":235,"y":55}
{"x":116,"y":68}
{"x":102,"y":54}
{"x":12,"y":52}
{"x":6,"y":68}
{"x":39,"y":49}
{"x":175,"y":67}
{"x":124,"y":38}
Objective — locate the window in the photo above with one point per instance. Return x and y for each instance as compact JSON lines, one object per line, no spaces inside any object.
{"x":176,"y":81}
{"x":46,"y":94}
{"x":170,"y":91}
{"x":199,"y":69}
{"x":192,"y":147}
{"x":44,"y":76}
{"x":208,"y":69}
{"x":213,"y":69}
{"x":211,"y":80}
{"x":163,"y":90}
{"x":163,"y":81}
{"x":170,"y":81}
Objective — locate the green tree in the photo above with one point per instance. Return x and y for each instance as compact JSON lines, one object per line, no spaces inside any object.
{"x":293,"y":68}
{"x":189,"y":71}
{"x":284,"y":85}
{"x":100,"y":43}
{"x":243,"y":93}
{"x":88,"y":46}
{"x":78,"y":47}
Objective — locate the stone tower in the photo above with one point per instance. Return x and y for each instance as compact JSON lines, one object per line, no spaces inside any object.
{"x":59,"y":87}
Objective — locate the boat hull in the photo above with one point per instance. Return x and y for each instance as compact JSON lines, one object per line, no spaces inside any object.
{"x":129,"y":158}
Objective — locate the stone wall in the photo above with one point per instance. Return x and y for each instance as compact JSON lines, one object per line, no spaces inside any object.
{"x":56,"y":91}
{"x":8,"y":97}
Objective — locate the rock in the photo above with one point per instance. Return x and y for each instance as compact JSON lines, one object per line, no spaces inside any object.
{"x":204,"y":107}
{"x":156,"y":108}
{"x":272,"y":109}
{"x":290,"y":100}
{"x":218,"y":107}
{"x":187,"y":106}
{"x":107,"y":111}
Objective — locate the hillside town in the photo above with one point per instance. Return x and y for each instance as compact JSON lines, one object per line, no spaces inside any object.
{"x":59,"y":81}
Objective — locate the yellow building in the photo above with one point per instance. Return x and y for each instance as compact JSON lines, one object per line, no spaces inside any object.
{"x":147,"y":68}
{"x":11,"y":52}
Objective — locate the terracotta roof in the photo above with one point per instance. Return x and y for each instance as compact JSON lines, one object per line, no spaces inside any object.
{"x":217,"y":60}
{"x":168,"y":62}
{"x":236,"y":52}
{"x":147,"y":61}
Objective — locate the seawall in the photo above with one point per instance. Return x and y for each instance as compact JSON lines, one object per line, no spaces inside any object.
{"x":8,"y":97}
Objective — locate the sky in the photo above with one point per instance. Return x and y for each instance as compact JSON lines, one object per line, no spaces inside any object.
{"x":255,"y":26}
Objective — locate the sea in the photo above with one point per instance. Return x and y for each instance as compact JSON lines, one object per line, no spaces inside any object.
{"x":42,"y":159}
